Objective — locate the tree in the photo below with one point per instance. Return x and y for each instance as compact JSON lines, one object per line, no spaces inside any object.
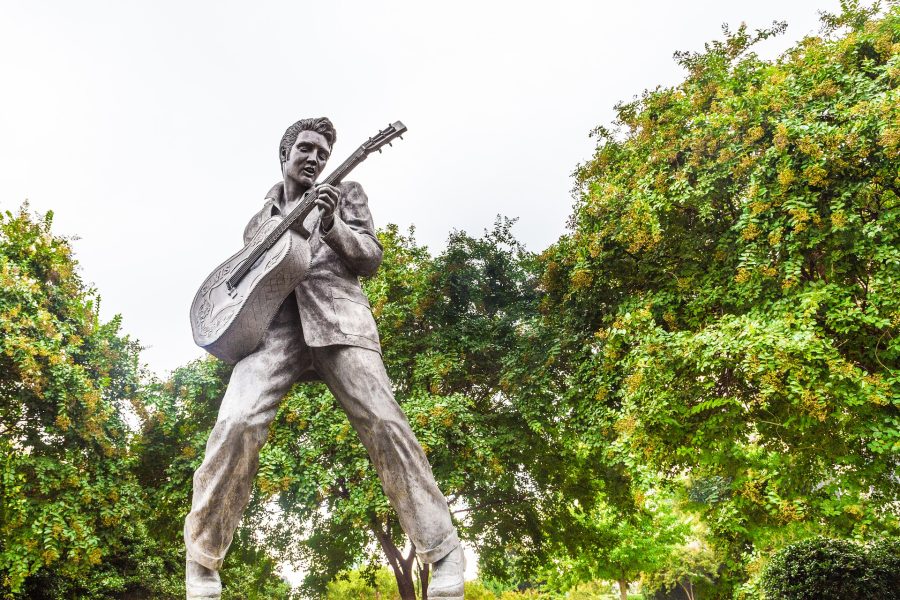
{"x":92,"y":506}
{"x":727,"y":300}
{"x":70,"y":507}
{"x":177,"y":418}
{"x":448,"y":326}
{"x":693,"y":563}
{"x":602,"y":542}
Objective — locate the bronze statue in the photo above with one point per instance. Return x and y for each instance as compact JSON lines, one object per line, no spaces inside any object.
{"x":323,"y":330}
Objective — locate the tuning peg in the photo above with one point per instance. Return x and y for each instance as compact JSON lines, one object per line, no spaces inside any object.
{"x":379,"y":151}
{"x":401,"y":137}
{"x":391,"y":144}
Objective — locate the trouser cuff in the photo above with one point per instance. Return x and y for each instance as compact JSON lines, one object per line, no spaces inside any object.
{"x":200,"y":557}
{"x":432,"y":555}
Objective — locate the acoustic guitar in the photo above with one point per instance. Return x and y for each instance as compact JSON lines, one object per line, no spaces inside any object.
{"x":238,"y":300}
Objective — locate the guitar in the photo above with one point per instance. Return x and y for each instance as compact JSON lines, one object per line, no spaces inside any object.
{"x":238,"y":300}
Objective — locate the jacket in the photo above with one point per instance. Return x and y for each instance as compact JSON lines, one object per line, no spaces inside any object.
{"x":332,"y":306}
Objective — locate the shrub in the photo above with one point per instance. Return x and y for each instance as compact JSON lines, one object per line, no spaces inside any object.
{"x":822,"y":568}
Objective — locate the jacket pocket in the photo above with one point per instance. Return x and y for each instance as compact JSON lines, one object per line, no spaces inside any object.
{"x":353,"y":315}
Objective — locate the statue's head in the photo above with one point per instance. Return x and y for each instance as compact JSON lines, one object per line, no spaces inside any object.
{"x":305,"y":148}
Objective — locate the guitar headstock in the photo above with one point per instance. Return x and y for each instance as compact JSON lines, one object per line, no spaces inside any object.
{"x":384,"y":137}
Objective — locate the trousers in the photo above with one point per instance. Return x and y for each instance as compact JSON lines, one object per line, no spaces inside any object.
{"x":358,"y":380}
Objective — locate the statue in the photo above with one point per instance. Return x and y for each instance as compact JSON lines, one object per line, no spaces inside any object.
{"x":323,"y":330}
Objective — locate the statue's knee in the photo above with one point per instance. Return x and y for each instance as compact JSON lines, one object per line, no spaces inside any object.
{"x":233,"y":428}
{"x":389,"y":429}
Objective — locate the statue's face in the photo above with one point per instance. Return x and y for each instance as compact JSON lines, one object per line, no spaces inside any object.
{"x":307,"y":158}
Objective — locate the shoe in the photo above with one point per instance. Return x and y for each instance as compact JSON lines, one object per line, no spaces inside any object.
{"x":201,"y":583}
{"x":448,"y":578}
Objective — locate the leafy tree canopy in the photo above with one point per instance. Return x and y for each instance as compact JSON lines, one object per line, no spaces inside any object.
{"x":96,"y":457}
{"x":727,"y":301}
{"x":447,"y":325}
{"x":69,"y":505}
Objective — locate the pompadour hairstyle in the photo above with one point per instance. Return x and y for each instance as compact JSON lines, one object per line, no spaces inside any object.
{"x":321,"y":125}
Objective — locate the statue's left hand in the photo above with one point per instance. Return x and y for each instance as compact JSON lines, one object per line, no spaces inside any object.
{"x":327,"y":199}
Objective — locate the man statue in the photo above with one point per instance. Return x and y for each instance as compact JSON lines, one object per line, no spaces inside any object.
{"x":324,"y":330}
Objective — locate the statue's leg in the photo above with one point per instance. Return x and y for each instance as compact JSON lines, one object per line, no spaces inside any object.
{"x":357,"y":378}
{"x":223,"y":482}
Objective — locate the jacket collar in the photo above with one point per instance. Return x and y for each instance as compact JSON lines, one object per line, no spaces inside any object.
{"x":275,"y":199}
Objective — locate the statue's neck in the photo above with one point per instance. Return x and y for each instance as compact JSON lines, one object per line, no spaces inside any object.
{"x":293,"y":192}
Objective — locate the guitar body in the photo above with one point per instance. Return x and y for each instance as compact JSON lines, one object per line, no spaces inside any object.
{"x":229,"y":322}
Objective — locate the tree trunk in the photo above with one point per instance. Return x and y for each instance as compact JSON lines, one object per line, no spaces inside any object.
{"x":402,"y":566}
{"x":688,"y":589}
{"x":623,"y":589}
{"x":424,"y":570}
{"x":405,"y":586}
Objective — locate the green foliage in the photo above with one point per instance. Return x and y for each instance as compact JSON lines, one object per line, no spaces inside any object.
{"x":449,"y":327}
{"x":597,"y":590}
{"x":88,"y":508}
{"x":476,"y":590}
{"x":690,"y":568}
{"x":716,"y":339}
{"x":177,"y":418}
{"x":604,"y":543}
{"x":823,"y":569}
{"x":447,"y":324}
{"x":70,"y":507}
{"x":727,"y":303}
{"x":374,"y":584}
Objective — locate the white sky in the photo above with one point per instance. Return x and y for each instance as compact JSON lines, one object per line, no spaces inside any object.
{"x":151,"y":128}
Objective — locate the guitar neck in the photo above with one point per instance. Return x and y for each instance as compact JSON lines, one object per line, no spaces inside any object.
{"x":309,"y":199}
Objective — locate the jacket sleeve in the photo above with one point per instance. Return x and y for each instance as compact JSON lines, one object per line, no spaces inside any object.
{"x":352,"y":234}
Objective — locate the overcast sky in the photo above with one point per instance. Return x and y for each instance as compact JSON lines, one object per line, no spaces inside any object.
{"x":151,"y":128}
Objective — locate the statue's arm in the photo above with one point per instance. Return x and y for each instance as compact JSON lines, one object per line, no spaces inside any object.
{"x":352,"y":233}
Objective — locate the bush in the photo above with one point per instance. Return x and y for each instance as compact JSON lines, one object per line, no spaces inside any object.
{"x":884,"y":559}
{"x":475,"y":590}
{"x":822,"y":568}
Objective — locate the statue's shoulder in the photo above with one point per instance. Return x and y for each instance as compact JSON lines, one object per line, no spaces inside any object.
{"x":264,"y":211}
{"x":275,"y":192}
{"x":272,"y":198}
{"x":352,"y":189}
